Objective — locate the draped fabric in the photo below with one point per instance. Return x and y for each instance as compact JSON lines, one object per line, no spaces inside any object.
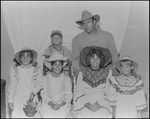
{"x":136,"y":41}
{"x":29,"y":23}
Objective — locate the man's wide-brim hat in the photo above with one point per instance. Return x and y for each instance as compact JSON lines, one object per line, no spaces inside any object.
{"x":126,"y":58}
{"x":56,"y":57}
{"x":85,"y":51}
{"x":35,"y":54}
{"x":87,"y":15}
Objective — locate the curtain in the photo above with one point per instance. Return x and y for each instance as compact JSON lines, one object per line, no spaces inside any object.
{"x":136,"y":41}
{"x":29,"y":23}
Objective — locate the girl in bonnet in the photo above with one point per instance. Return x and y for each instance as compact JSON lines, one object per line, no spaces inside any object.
{"x":57,"y":93}
{"x":92,"y":83}
{"x":126,"y":92}
{"x":24,"y":83}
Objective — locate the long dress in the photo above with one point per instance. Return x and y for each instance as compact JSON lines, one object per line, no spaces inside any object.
{"x":56,"y":89}
{"x":127,"y":94}
{"x":87,"y":93}
{"x":22,"y":83}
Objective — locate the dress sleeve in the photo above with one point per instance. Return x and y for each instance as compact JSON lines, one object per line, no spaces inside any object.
{"x":39,"y":84}
{"x":75,"y":54}
{"x":140,"y":96}
{"x":67,"y":52}
{"x":47,"y":52}
{"x":12,"y":85}
{"x":68,"y":87}
{"x":80,"y":86}
{"x":107,"y":88}
{"x":113,"y":49}
{"x":44,"y":93}
{"x":112,"y":92}
{"x":79,"y":94}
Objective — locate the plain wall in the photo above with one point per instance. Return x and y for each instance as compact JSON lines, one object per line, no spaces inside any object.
{"x":7,"y":55}
{"x":136,"y":43}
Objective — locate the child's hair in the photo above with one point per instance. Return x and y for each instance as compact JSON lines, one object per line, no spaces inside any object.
{"x":18,"y":64}
{"x":22,"y":54}
{"x":53,"y":62}
{"x":133,"y":73}
{"x":99,"y":54}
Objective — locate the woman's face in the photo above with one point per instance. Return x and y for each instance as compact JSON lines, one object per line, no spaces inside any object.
{"x":95,"y":62}
{"x":56,"y":39}
{"x":57,"y":67}
{"x":126,"y":68}
{"x":26,"y":59}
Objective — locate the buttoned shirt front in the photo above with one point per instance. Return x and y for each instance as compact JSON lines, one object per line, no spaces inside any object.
{"x":101,"y":38}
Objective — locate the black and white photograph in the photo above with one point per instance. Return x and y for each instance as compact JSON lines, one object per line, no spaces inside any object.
{"x":74,"y":59}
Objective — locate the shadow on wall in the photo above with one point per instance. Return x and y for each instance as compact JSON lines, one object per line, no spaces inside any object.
{"x":7,"y":55}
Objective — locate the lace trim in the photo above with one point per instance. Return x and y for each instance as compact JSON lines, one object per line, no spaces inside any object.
{"x":127,"y":92}
{"x":127,"y":80}
{"x":95,"y":78}
{"x":15,"y":72}
{"x":94,"y":84}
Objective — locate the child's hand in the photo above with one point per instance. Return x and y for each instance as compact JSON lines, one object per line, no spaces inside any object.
{"x":96,"y":106}
{"x":31,"y":96}
{"x":62,"y":104}
{"x":11,"y":106}
{"x":93,"y":107}
{"x":50,"y":103}
{"x":32,"y":104}
{"x":139,"y":114}
{"x":56,"y":107}
{"x":88,"y":105}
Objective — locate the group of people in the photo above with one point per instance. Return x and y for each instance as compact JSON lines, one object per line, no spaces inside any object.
{"x":103,"y":85}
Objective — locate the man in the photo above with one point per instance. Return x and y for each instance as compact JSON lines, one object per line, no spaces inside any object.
{"x":92,"y":36}
{"x":56,"y":46}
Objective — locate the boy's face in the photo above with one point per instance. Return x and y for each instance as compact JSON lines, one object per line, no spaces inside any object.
{"x":95,"y":62}
{"x":56,"y":39}
{"x":57,"y":67}
{"x":26,"y":58}
{"x":126,"y":68}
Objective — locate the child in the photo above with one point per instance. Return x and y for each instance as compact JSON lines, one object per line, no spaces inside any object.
{"x":126,"y":92}
{"x":23,"y":83}
{"x":56,"y":46}
{"x":92,"y":83}
{"x":57,"y":94}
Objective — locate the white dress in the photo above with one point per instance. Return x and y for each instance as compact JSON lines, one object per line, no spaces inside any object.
{"x":22,"y":83}
{"x":127,"y":94}
{"x":86,"y":93}
{"x":56,"y":89}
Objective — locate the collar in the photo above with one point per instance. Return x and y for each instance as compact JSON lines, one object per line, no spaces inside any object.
{"x":26,"y":67}
{"x":52,"y":47}
{"x":97,"y":27}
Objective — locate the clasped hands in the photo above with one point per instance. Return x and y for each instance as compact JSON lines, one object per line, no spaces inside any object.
{"x":56,"y":106}
{"x":93,"y":107}
{"x":30,"y":100}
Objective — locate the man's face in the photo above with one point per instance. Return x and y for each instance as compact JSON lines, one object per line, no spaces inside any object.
{"x":56,"y":39}
{"x":88,"y":25}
